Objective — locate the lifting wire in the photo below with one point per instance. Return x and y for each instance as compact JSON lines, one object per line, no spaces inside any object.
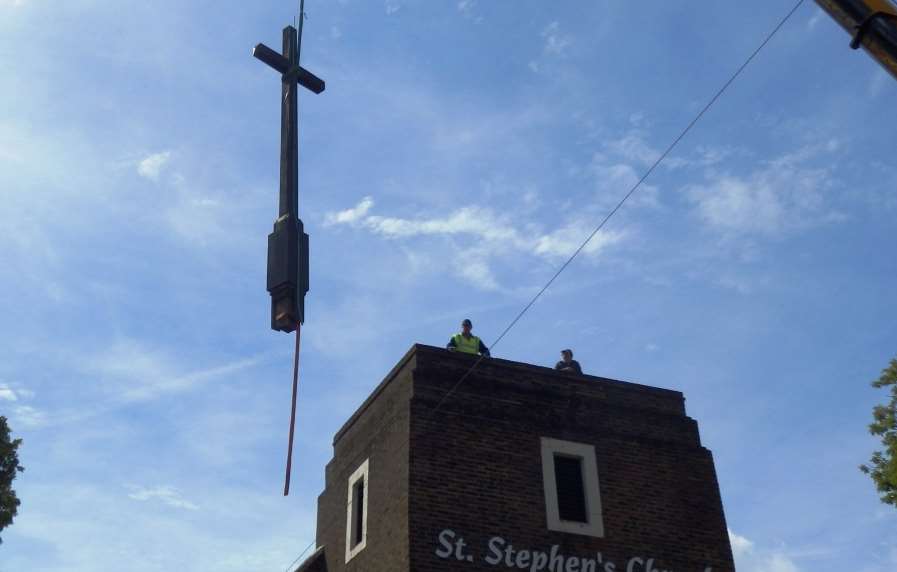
{"x":286,"y":483}
{"x":290,"y":567}
{"x":650,"y":170}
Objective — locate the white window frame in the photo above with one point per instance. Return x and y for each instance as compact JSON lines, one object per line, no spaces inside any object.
{"x":361,"y":473}
{"x":586,"y":453}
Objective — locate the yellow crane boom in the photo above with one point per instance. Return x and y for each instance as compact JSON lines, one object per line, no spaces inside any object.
{"x":872,"y":24}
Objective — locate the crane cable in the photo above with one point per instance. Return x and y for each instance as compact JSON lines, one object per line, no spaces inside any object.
{"x":286,"y":483}
{"x":650,"y":170}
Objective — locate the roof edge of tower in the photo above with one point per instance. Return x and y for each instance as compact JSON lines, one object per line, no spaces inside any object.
{"x":377,"y":391}
{"x":416,"y":349}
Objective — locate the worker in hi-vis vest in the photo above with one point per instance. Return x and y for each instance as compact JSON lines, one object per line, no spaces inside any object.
{"x":466,"y":342}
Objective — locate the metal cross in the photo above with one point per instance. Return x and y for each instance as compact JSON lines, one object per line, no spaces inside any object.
{"x":288,"y":243}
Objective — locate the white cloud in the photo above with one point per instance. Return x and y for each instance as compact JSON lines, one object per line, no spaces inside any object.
{"x":613,"y":179}
{"x":7,"y":393}
{"x":481,"y":237}
{"x":815,"y":18}
{"x":880,"y":80}
{"x":750,"y":558}
{"x":633,"y":147}
{"x":392,"y":6}
{"x":466,"y":8}
{"x":474,"y":267}
{"x":234,"y":530}
{"x":564,"y":241}
{"x":166,"y":495}
{"x":132,"y":371}
{"x":473,"y":221}
{"x":780,"y":196}
{"x":351,"y":215}
{"x":740,"y":544}
{"x":151,"y":166}
{"x":556,"y":42}
{"x":335,"y":33}
{"x":27,"y":416}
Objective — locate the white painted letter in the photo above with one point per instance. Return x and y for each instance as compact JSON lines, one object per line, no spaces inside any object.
{"x":589,"y":565}
{"x":445,"y":542}
{"x":522,"y":560}
{"x":630,"y":566}
{"x":557,"y":559}
{"x":572,"y":564}
{"x":495,"y":544}
{"x":540,"y":559}
{"x":509,"y":555}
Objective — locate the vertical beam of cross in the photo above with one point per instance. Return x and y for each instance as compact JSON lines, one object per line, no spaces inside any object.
{"x":288,"y":279}
{"x":289,"y":130}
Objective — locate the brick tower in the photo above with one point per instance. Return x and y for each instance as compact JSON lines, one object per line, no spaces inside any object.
{"x":521,"y":467}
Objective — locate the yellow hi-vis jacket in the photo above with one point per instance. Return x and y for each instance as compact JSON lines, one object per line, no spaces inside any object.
{"x":469,"y":345}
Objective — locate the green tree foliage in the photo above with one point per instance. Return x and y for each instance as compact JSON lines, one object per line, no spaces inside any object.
{"x":9,"y":468}
{"x":883,"y":466}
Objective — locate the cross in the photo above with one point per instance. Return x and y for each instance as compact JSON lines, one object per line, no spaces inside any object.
{"x":288,"y":243}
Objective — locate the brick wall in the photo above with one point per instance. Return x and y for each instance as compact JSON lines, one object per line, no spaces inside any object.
{"x":474,"y":467}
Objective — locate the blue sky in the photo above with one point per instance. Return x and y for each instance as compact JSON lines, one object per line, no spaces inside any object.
{"x":460,"y":153}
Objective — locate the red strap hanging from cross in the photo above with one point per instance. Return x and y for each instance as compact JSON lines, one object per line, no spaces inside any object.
{"x":286,"y":484}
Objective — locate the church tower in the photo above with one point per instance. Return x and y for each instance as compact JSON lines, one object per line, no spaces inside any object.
{"x":519,"y":468}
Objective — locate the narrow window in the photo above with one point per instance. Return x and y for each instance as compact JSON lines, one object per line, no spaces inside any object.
{"x":570,"y":489}
{"x":357,"y":511}
{"x":572,"y":492}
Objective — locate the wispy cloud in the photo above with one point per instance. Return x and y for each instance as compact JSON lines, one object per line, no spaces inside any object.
{"x":486,"y":235}
{"x":556,"y":41}
{"x":467,"y":9}
{"x":880,"y":80}
{"x":740,"y":544}
{"x":23,"y":415}
{"x":151,"y":167}
{"x":350,"y":215}
{"x":815,"y":18}
{"x":391,"y":7}
{"x":131,"y":371}
{"x":781,"y":195}
{"x":564,"y":241}
{"x":750,"y":558}
{"x":555,"y":44}
{"x":28,"y":416}
{"x":7,"y":394}
{"x":169,"y":496}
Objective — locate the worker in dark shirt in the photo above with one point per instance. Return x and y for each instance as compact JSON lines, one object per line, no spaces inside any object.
{"x":567,"y":363}
{"x":467,"y":343}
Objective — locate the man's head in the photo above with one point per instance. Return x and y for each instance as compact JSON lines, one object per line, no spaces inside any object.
{"x":567,"y":355}
{"x":466,"y":326}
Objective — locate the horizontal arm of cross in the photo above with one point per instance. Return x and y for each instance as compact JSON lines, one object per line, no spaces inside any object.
{"x":277,"y":61}
{"x":305,"y":78}
{"x":272,"y":58}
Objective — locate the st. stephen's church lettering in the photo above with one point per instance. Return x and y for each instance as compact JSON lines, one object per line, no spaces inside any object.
{"x":501,"y":553}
